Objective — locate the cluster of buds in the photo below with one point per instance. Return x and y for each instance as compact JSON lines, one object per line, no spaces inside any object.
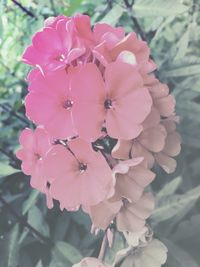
{"x":103,"y":121}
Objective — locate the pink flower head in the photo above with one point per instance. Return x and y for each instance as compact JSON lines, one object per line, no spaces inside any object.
{"x":121,"y":101}
{"x":78,"y":175}
{"x":35,"y":145}
{"x":60,"y":42}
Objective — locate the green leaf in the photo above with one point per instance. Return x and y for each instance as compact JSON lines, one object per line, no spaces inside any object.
{"x":169,"y":189}
{"x":39,"y":264}
{"x":182,"y":71}
{"x":1,"y":22}
{"x":6,"y":169}
{"x":158,"y":8}
{"x":13,"y":253}
{"x":61,"y":226}
{"x":36,"y":219}
{"x":187,"y":229}
{"x":174,"y":205}
{"x":66,"y":252}
{"x":113,"y":15}
{"x":30,"y":201}
{"x":177,"y":257}
{"x":182,"y":45}
{"x":73,"y":6}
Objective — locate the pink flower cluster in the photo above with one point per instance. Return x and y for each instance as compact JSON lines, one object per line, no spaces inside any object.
{"x":103,"y":121}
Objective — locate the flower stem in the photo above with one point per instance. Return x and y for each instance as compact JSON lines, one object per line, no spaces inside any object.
{"x":104,"y":246}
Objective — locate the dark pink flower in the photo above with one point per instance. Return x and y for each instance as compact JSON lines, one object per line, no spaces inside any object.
{"x":59,"y":43}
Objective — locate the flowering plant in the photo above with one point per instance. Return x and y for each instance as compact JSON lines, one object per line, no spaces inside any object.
{"x":103,"y":121}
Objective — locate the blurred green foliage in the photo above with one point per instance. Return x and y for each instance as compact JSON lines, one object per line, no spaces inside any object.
{"x":31,"y":235}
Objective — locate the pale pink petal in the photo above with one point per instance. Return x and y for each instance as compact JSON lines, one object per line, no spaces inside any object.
{"x":101,"y":28}
{"x":33,"y":57}
{"x":172,"y":144}
{"x":83,"y":26}
{"x":101,"y":52}
{"x":127,"y":188}
{"x":58,"y":163}
{"x":165,"y":105}
{"x":124,"y":166}
{"x":153,"y":138}
{"x":133,"y":215}
{"x":123,"y":120}
{"x":88,"y":95}
{"x":103,"y":213}
{"x":27,"y":139}
{"x":33,"y":75}
{"x":153,"y":119}
{"x":139,"y":151}
{"x":28,"y":160}
{"x":166,"y":162}
{"x":118,"y":126}
{"x":47,"y":41}
{"x":38,"y":180}
{"x":120,"y":85}
{"x":170,"y":125}
{"x":122,"y":149}
{"x":141,"y":175}
{"x":158,"y":89}
{"x":42,"y":141}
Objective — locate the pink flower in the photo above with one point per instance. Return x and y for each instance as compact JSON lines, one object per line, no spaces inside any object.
{"x":121,"y":101}
{"x":78,"y":175}
{"x":81,"y":106}
{"x":60,"y":42}
{"x":171,"y":149}
{"x":104,"y":33}
{"x":48,"y":103}
{"x":131,"y":185}
{"x":130,"y":217}
{"x":131,"y":179}
{"x":115,"y":47}
{"x":35,"y":145}
{"x":159,"y":141}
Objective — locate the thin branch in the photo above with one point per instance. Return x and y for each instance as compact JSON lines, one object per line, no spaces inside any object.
{"x":24,"y":9}
{"x":109,"y":3}
{"x":104,"y":246}
{"x":134,"y":20}
{"x":13,"y":113}
{"x":53,"y":7}
{"x":24,"y":223}
{"x":14,"y":161}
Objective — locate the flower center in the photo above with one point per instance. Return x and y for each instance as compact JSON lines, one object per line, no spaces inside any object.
{"x":61,"y":58}
{"x":37,"y":156}
{"x":82,"y":167}
{"x":68,"y":104}
{"x":108,"y":104}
